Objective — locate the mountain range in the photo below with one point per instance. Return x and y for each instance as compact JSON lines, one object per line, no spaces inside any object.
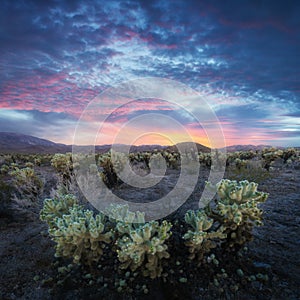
{"x":20,"y":143}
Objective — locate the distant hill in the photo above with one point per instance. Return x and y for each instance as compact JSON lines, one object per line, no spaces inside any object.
{"x":21,"y":143}
{"x":247,"y":147}
{"x":188,"y":146}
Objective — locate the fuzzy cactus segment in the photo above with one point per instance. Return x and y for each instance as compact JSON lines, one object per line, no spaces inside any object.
{"x":201,"y":238}
{"x":56,"y":208}
{"x":121,"y":213}
{"x":80,"y":235}
{"x":236,"y":209}
{"x":140,"y":244}
{"x":145,"y":247}
{"x":238,"y":201}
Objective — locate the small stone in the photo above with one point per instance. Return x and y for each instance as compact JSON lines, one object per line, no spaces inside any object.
{"x":216,"y":282}
{"x":91,"y":282}
{"x":183,"y":279}
{"x":216,"y":262}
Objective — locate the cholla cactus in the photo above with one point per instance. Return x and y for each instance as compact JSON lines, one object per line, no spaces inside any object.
{"x":4,"y":169}
{"x":201,"y":239}
{"x":289,"y":154}
{"x":172,"y":159}
{"x":29,"y":164}
{"x":237,"y":209}
{"x":144,"y":247}
{"x":107,"y":173}
{"x":56,"y":208}
{"x":205,"y":158}
{"x":37,"y":161}
{"x":157,"y":162}
{"x":239,"y":163}
{"x":63,"y":165}
{"x":77,"y":232}
{"x":119,"y":160}
{"x":140,"y":245}
{"x":239,"y":192}
{"x":80,"y":235}
{"x":121,"y":214}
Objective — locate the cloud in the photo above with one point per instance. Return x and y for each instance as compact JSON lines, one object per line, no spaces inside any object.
{"x":243,"y":57}
{"x":58,"y":127}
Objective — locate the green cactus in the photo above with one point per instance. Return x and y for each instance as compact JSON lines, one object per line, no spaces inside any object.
{"x":56,"y":208}
{"x":4,"y":169}
{"x":202,"y":238}
{"x":107,"y":173}
{"x":236,"y":209}
{"x":144,"y":247}
{"x":122,"y":215}
{"x":64,"y":167}
{"x":140,"y":245}
{"x":78,"y":234}
{"x":120,"y":159}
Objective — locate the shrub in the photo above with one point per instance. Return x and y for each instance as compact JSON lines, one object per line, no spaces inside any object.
{"x":63,"y":166}
{"x":27,"y":184}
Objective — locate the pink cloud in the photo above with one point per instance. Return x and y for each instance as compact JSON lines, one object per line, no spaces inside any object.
{"x":46,"y":93}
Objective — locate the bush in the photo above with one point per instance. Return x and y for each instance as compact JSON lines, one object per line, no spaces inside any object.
{"x":27,"y":184}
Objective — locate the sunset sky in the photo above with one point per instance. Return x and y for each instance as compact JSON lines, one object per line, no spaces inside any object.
{"x":242,"y":57}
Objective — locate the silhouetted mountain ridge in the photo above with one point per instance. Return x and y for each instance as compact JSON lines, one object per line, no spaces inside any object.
{"x":11,"y":142}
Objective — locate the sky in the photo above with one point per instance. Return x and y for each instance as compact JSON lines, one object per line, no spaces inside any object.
{"x":242,"y":57}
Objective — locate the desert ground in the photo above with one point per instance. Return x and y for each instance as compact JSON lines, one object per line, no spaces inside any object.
{"x":29,"y":269}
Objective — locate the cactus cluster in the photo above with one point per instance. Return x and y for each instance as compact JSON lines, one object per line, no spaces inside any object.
{"x":202,"y":237}
{"x":78,"y":234}
{"x":228,"y":221}
{"x":140,"y":245}
{"x":237,"y":209}
{"x":144,"y":247}
{"x":56,"y":207}
{"x":63,"y":165}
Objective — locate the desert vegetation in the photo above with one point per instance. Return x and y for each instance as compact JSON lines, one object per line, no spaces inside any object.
{"x":200,"y":253}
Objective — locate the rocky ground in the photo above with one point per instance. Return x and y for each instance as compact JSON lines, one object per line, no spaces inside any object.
{"x":28,"y":269}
